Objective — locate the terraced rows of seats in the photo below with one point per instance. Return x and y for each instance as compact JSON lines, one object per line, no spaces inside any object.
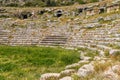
{"x":97,"y":39}
{"x":104,"y":35}
{"x":8,"y":37}
{"x":33,"y":36}
{"x":58,"y":33}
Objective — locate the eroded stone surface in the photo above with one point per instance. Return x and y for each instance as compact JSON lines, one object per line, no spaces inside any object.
{"x":50,"y":76}
{"x":85,"y":70}
{"x":67,"y":72}
{"x":112,"y":73}
{"x":67,"y":78}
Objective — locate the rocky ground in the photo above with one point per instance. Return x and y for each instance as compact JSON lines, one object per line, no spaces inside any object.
{"x":97,"y":69}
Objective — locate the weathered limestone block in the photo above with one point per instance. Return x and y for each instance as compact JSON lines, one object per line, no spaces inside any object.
{"x":112,"y":73}
{"x":114,"y":52}
{"x":92,"y":25}
{"x":67,"y":72}
{"x":2,"y":10}
{"x":50,"y":76}
{"x":113,"y":7}
{"x":98,"y":58}
{"x":90,"y":12}
{"x":85,"y":70}
{"x":23,"y":14}
{"x":67,"y":78}
{"x":72,"y":65}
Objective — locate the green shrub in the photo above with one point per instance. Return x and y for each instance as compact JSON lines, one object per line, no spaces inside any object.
{"x":12,"y":5}
{"x":34,"y":3}
{"x":94,"y":0}
{"x":80,"y":1}
{"x":4,"y":16}
{"x":51,"y":3}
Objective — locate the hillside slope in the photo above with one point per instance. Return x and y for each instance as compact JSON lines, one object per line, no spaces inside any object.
{"x":28,"y":3}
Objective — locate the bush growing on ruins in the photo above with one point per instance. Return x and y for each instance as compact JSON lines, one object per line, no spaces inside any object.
{"x":34,"y":3}
{"x":4,"y":16}
{"x":12,"y":5}
{"x":87,"y":1}
{"x":94,"y":0}
{"x":115,"y":46}
{"x":80,"y":1}
{"x":51,"y":3}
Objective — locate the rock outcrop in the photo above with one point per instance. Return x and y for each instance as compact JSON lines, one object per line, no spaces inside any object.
{"x":85,"y":70}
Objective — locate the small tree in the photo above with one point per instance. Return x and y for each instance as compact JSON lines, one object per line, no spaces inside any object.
{"x":34,"y":3}
{"x":80,"y":1}
{"x":51,"y":3}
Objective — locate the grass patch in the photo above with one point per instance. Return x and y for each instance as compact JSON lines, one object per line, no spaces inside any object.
{"x":2,"y":77}
{"x":7,"y":67}
{"x":20,"y":63}
{"x":88,"y":52}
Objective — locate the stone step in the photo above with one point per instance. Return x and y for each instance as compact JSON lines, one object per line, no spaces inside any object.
{"x":51,"y":39}
{"x":54,"y":40}
{"x":51,"y":44}
{"x":56,"y":36}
